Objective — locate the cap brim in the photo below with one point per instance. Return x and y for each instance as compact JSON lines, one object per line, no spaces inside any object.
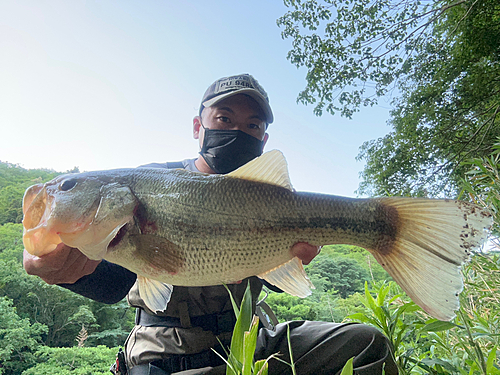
{"x":263,"y":103}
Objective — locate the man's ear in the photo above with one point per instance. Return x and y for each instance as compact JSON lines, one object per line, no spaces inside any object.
{"x":264,"y":141}
{"x":196,"y":127}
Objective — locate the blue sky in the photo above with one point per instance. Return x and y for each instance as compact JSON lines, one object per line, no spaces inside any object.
{"x":111,"y":84}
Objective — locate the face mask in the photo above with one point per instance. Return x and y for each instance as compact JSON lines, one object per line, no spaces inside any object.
{"x":227,"y":150}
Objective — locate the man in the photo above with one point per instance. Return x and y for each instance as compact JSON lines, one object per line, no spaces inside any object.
{"x":231,"y":129}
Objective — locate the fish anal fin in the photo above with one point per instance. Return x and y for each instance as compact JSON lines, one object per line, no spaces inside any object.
{"x":270,"y":168}
{"x":290,"y":277}
{"x":155,"y":294}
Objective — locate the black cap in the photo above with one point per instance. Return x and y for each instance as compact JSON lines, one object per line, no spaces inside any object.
{"x":240,"y":84}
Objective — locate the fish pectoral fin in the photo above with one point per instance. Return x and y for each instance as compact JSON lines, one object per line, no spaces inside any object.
{"x":155,"y":294}
{"x":270,"y":168}
{"x":290,"y":277}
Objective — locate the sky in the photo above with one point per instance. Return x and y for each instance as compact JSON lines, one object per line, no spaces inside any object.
{"x":112,"y":84}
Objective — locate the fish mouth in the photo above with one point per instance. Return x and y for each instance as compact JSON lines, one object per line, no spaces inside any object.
{"x":42,"y":231}
{"x":39,"y":237}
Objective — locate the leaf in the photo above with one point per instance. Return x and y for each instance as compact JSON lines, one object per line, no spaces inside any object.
{"x":369,"y":299}
{"x":348,"y":368}
{"x":261,"y":367}
{"x":437,"y":326}
{"x":490,"y":362}
{"x":242,"y":325}
{"x":437,"y":361}
{"x":249,"y":344}
{"x":233,"y":302}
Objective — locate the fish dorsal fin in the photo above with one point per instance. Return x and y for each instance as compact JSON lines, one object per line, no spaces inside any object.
{"x":270,"y":168}
{"x":290,"y":277}
{"x":155,"y":294}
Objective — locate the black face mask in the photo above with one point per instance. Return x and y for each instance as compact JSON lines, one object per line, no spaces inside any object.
{"x":227,"y":150}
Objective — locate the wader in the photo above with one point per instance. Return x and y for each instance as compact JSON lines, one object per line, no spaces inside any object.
{"x":179,"y":340}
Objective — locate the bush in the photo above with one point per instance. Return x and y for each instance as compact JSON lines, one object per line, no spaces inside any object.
{"x":73,"y":361}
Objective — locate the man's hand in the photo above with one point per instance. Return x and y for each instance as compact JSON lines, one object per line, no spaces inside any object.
{"x":64,"y":265}
{"x":305,"y":252}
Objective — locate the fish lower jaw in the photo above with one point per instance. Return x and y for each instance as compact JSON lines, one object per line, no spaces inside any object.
{"x":40,"y":241}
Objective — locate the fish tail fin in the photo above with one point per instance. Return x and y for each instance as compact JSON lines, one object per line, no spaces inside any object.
{"x":433,"y":239}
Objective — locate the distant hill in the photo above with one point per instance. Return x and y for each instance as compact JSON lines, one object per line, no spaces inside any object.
{"x":14,"y":180}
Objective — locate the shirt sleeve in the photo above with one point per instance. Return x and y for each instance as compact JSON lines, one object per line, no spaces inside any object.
{"x":109,"y":283}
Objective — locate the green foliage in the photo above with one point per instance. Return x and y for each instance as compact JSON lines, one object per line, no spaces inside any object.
{"x":447,"y":111}
{"x":338,"y":273}
{"x":240,"y":358}
{"x":351,"y":46}
{"x":19,"y":339}
{"x":59,"y":309}
{"x":482,"y":183}
{"x":348,"y":368}
{"x":440,"y":58}
{"x":11,"y":243}
{"x":344,"y":275}
{"x":423,"y":345}
{"x":288,"y":307}
{"x":392,"y":314}
{"x":73,"y":361}
{"x":14,"y":180}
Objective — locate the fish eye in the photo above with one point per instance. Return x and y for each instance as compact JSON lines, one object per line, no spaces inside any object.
{"x":68,"y":184}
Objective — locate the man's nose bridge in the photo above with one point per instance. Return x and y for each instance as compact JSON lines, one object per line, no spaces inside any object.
{"x":241,"y":126}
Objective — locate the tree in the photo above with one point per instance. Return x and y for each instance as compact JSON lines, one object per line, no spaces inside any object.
{"x":338,"y":274}
{"x":14,"y":180}
{"x":288,"y":307}
{"x":60,"y":310}
{"x":361,"y":256}
{"x":439,"y":58}
{"x":482,"y":183}
{"x":73,"y":361}
{"x":19,"y":339}
{"x":341,"y":273}
{"x":11,"y":243}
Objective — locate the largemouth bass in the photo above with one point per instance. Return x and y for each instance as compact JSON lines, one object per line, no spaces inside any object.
{"x":175,"y":227}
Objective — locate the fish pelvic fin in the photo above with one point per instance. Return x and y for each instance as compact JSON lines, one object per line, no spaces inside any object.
{"x":434,"y":238}
{"x":290,"y":277}
{"x":270,"y":168}
{"x":155,"y":294}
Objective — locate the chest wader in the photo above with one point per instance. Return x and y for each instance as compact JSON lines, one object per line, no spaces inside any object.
{"x":181,"y":338}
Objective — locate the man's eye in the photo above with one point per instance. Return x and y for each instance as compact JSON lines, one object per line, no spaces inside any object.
{"x":223,"y":119}
{"x":253,"y":126}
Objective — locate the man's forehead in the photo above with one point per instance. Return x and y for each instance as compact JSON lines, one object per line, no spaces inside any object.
{"x":237,"y":103}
